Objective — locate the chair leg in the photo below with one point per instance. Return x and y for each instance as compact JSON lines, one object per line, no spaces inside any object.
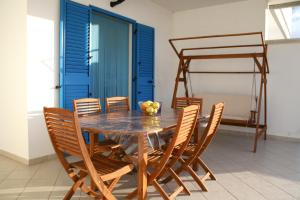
{"x":77,"y":183}
{"x":195,"y":177}
{"x":160,"y":190}
{"x":179,"y":181}
{"x":132,"y":194}
{"x":111,"y":185}
{"x":84,"y":188}
{"x":93,"y":186}
{"x":206,"y":169}
{"x":169,"y":178}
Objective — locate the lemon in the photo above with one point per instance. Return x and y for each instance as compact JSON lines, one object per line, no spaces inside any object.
{"x":155,"y":105}
{"x":149,"y":109}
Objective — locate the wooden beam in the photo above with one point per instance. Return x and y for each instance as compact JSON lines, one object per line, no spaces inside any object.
{"x":222,"y":72}
{"x":179,"y":70}
{"x":174,"y":48}
{"x":223,"y":47}
{"x":224,"y":56}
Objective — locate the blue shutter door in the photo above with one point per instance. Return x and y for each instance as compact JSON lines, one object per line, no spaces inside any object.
{"x":145,"y":63}
{"x":75,"y":65}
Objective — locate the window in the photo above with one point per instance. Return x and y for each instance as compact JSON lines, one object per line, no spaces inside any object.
{"x":283,"y":21}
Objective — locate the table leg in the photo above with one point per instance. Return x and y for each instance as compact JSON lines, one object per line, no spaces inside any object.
{"x":142,"y":167}
{"x":196,"y":139}
{"x":92,"y":143}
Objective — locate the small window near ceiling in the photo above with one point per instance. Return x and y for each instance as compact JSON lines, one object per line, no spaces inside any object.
{"x":283,"y":20}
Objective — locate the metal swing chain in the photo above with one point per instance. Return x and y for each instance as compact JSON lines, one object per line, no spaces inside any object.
{"x":253,"y":90}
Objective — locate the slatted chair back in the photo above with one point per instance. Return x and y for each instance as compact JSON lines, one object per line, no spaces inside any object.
{"x":62,"y":131}
{"x":210,"y":130}
{"x":65,"y":134}
{"x":117,"y":104}
{"x":185,"y":127}
{"x":87,"y":106}
{"x":182,"y":102}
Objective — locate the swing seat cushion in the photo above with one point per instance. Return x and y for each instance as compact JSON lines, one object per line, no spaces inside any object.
{"x":237,"y":107}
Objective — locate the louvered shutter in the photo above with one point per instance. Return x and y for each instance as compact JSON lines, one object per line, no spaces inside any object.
{"x":75,"y":70}
{"x":145,"y":63}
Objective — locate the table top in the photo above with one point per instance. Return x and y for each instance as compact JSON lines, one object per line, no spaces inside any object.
{"x":132,"y":122}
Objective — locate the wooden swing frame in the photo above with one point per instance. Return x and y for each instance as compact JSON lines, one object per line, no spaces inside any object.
{"x":261,"y":62}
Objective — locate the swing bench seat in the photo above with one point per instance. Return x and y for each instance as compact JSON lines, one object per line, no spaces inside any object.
{"x":237,"y":111}
{"x":226,"y":120}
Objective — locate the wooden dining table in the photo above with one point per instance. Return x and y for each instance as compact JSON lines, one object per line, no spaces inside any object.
{"x":133,"y":123}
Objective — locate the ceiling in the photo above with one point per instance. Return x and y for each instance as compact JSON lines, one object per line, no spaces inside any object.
{"x":179,"y":5}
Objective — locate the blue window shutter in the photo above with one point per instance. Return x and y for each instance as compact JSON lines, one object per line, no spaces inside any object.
{"x":145,"y":63}
{"x":75,"y":80}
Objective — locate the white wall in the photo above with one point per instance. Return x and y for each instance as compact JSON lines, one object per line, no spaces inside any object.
{"x":13,"y":123}
{"x":283,"y":83}
{"x":42,"y":70}
{"x":43,"y":58}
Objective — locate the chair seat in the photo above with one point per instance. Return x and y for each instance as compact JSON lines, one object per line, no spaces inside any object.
{"x":104,"y":146}
{"x":106,"y":168}
{"x":154,"y":156}
{"x":190,"y":149}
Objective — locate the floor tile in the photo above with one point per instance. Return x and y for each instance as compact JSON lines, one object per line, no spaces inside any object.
{"x":273,"y":173}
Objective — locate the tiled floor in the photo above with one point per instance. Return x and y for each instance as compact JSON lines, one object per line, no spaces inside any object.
{"x":272,"y":173}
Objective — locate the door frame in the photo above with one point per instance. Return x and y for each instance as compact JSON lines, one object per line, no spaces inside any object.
{"x":133,"y":46}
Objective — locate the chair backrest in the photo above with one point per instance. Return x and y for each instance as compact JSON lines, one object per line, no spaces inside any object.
{"x":186,"y":123}
{"x":182,"y":102}
{"x":65,"y":134}
{"x":62,"y":131}
{"x":117,"y":104}
{"x":87,"y":106}
{"x":210,"y":130}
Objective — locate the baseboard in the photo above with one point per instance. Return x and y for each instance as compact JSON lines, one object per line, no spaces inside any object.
{"x":25,"y":161}
{"x":14,"y":157}
{"x":269,"y":136}
{"x":283,"y":138}
{"x":37,"y":160}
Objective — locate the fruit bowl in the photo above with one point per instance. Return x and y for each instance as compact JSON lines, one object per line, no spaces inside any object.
{"x":149,"y":107}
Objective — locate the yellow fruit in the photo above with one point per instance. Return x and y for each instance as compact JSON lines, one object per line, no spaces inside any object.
{"x":156,"y":105}
{"x":155,"y":110}
{"x":150,"y":109}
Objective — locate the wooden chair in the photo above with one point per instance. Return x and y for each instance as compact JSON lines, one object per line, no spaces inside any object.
{"x":90,"y":106}
{"x":65,"y":134}
{"x":163,"y":161}
{"x":180,"y":103}
{"x":194,"y":150}
{"x":87,"y":106}
{"x":117,"y":104}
